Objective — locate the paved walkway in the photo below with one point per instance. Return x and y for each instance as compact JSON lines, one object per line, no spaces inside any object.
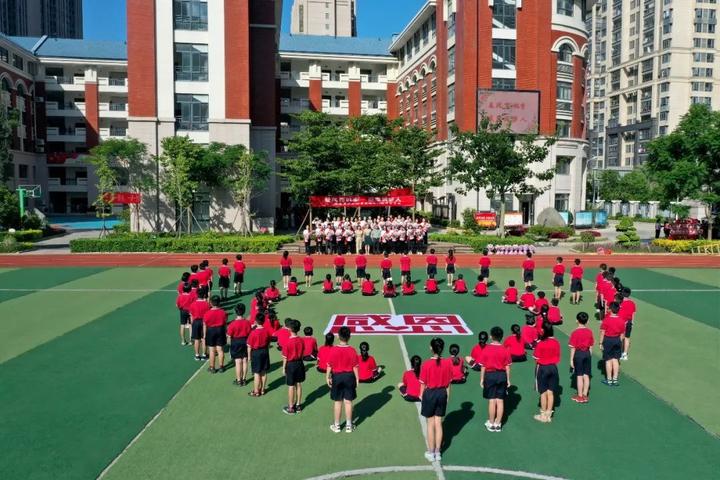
{"x":60,"y":244}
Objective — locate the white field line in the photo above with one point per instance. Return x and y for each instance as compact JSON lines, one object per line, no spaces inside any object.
{"x":151,"y":290}
{"x":427,"y":468}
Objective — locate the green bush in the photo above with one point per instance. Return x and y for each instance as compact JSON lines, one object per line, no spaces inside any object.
{"x":10,"y":244}
{"x":479,"y":242}
{"x":32,"y":222}
{"x":146,"y":242}
{"x":629,"y":239}
{"x":625,"y":224}
{"x":546,"y":232}
{"x":469,"y":222}
{"x":28,"y":235}
{"x":587,"y":237}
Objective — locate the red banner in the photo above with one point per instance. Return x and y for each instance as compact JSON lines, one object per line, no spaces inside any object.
{"x":486,"y":219}
{"x":340,"y":201}
{"x":122,"y":198}
{"x":399,"y":192}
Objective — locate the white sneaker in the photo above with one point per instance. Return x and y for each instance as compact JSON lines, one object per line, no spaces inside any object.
{"x":624,"y":356}
{"x":349,"y":428}
{"x":489,"y":426}
{"x":430,"y":456}
{"x":335,"y":428}
{"x":497,"y":427}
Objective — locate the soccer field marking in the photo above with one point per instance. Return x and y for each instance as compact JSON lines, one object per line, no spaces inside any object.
{"x":149,"y":424}
{"x":423,"y":425}
{"x":428,"y":468}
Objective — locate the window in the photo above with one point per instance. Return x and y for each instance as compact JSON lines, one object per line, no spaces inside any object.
{"x":563,"y":128}
{"x":191,"y":112}
{"x":705,"y":20}
{"x":416,"y":42}
{"x":702,"y":72}
{"x":701,"y":100}
{"x":503,"y":52}
{"x":451,"y":61}
{"x":562,"y":202}
{"x":562,"y":165}
{"x":301,"y":18}
{"x":425,"y":33}
{"x":704,"y":57}
{"x":564,"y":97}
{"x":32,"y":68}
{"x":18,"y":62}
{"x":565,"y":7}
{"x":702,"y":86}
{"x":22,"y":171}
{"x":191,"y":62}
{"x":495,"y":202}
{"x":503,"y":83}
{"x":565,"y":53}
{"x":451,"y":99}
{"x":191,"y":15}
{"x":4,"y":55}
{"x":704,"y":43}
{"x":504,"y":12}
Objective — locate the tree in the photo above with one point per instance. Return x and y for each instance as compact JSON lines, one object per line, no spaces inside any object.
{"x":8,"y":123}
{"x":499,"y":161}
{"x":609,"y":185}
{"x":686,"y":163}
{"x":177,"y":181}
{"x":635,"y":185}
{"x":9,"y":213}
{"x":121,"y":164}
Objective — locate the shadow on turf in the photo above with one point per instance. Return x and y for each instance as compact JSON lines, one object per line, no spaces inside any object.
{"x":512,"y":400}
{"x":455,"y":421}
{"x":367,"y":407}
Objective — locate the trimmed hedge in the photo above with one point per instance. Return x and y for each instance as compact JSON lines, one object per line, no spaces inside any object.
{"x":28,"y":235}
{"x":10,"y":245}
{"x":479,"y":242}
{"x":684,"y":246}
{"x":543,"y":231}
{"x":186,"y":244}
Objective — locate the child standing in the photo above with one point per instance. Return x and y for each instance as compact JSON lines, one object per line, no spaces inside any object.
{"x":431,"y":262}
{"x":581,"y":343}
{"x":183,"y":302}
{"x":558,"y":277}
{"x":576,"y":286}
{"x":435,"y":378}
{"x":459,"y":371}
{"x":612,"y":332}
{"x":495,"y":379}
{"x":258,"y":343}
{"x":410,"y":386}
{"x":339,"y":263}
{"x":368,"y":370}
{"x":239,"y":277}
{"x":528,"y":271}
{"x":286,"y":268}
{"x":360,"y":266}
{"x":511,"y":293}
{"x":404,"y":267}
{"x":627,"y":312}
{"x":308,"y":267}
{"x":215,"y":337}
{"x":198,"y":309}
{"x":485,"y":266}
{"x":450,"y":262}
{"x":310,"y":346}
{"x":386,"y":268}
{"x":547,"y":357}
{"x":238,"y":332}
{"x":293,"y":369}
{"x":224,"y":279}
{"x":342,"y":378}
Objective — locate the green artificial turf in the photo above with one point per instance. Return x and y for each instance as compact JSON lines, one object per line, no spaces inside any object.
{"x":707,"y":276}
{"x":37,"y":278}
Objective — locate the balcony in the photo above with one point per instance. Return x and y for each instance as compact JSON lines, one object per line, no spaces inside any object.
{"x":565,"y":69}
{"x":113,"y":132}
{"x":336,"y":107}
{"x":373,"y":107}
{"x":56,"y":134}
{"x":564,"y":107}
{"x":110,"y":84}
{"x":294,"y":105}
{"x":72,"y":84}
{"x":335,"y":80}
{"x":295,"y":79}
{"x":113,"y":110}
{"x":374,"y":82}
{"x":79,"y":184}
{"x":70,"y":109}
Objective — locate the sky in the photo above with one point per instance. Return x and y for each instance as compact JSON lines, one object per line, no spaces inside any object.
{"x":105,"y":19}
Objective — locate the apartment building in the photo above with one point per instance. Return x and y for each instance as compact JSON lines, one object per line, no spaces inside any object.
{"x":70,"y":95}
{"x":335,"y":18}
{"x":649,"y":60}
{"x":34,"y":18}
{"x":205,"y":69}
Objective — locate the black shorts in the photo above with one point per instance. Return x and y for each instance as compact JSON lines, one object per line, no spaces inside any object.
{"x":309,"y":273}
{"x":405,"y":273}
{"x":485,"y":272}
{"x":224,"y":282}
{"x":344,"y":387}
{"x":239,"y":277}
{"x":339,"y":271}
{"x":450,"y":268}
{"x":495,"y":386}
{"x":432,"y":270}
{"x":286,"y":271}
{"x":196,"y":330}
{"x":260,"y":360}
{"x":238,"y":348}
{"x":434,"y":402}
{"x":583,"y":362}
{"x":576,"y":285}
{"x":184,"y":317}
{"x":547,"y":378}
{"x":518,"y":358}
{"x":386,"y":273}
{"x":612,"y":348}
{"x":528,"y":275}
{"x":628,"y":329}
{"x":360,"y":272}
{"x":559,"y":280}
{"x":294,"y":372}
{"x":216,"y":337}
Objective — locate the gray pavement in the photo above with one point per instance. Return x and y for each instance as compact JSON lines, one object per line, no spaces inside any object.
{"x":60,"y":244}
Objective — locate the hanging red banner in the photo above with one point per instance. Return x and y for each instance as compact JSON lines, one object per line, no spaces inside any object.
{"x":340,"y":201}
{"x":122,"y":198}
{"x":399,"y":192}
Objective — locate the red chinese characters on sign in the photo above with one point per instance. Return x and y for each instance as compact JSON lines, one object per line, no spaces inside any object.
{"x":383,"y":324}
{"x":122,"y":198}
{"x":339,"y":201}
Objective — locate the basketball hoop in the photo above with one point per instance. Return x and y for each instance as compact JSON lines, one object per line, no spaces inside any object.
{"x":27,"y":191}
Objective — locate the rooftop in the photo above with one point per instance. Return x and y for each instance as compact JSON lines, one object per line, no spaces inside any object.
{"x":371,"y":47}
{"x":73,"y":48}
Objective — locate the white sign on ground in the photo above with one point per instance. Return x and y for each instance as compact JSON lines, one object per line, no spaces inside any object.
{"x":410,"y":324}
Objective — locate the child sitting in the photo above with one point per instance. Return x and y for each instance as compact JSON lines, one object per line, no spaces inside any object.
{"x":328,"y":286}
{"x":272,"y":294}
{"x":323,"y":355}
{"x":541,"y":300}
{"x":481,"y":289}
{"x":389,"y":290}
{"x":310,"y":346}
{"x":527,"y":299}
{"x":368,"y":371}
{"x":515,"y":345}
{"x":529,"y":333}
{"x":292,"y":290}
{"x":553,"y":315}
{"x":511,"y":293}
{"x":431,"y":285}
{"x":410,"y":386}
{"x":474,"y":358}
{"x":459,"y":371}
{"x":346,"y":286}
{"x":459,"y":286}
{"x":408,"y":288}
{"x":368,"y":287}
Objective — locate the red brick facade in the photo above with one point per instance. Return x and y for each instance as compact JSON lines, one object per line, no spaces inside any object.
{"x":92,"y":115}
{"x":237,"y":73}
{"x":354,"y":98}
{"x":142,"y":94}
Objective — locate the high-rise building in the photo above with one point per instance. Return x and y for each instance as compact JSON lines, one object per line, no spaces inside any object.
{"x":34,"y":18}
{"x":320,"y":17}
{"x":649,"y":60}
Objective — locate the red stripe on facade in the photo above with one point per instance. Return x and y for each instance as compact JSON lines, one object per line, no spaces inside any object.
{"x":315,"y":95}
{"x":142,"y":82}
{"x":354,"y":98}
{"x":484,"y":46}
{"x":237,"y":68}
{"x":578,"y":95}
{"x":392,"y":100}
{"x":92,"y":114}
{"x":466,"y":66}
{"x":441,"y":72}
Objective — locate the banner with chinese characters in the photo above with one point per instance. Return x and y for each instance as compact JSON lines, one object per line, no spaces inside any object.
{"x":122,"y":198}
{"x":340,"y":201}
{"x":386,"y":324}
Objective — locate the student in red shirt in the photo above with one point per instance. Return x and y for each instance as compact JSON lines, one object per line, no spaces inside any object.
{"x":238,"y":332}
{"x":481,"y":289}
{"x":183,"y":303}
{"x":404,"y":267}
{"x":347,"y":285}
{"x":460,"y":286}
{"x":239,"y":277}
{"x":293,"y":290}
{"x":386,"y":268}
{"x":184,"y":280}
{"x":529,"y":332}
{"x":258,"y":343}
{"x":558,"y":279}
{"x":485,"y":266}
{"x":553,"y":315}
{"x":360,"y":267}
{"x":368,"y":287}
{"x":215,"y":337}
{"x":408,"y":288}
{"x":410,"y":386}
{"x":204,"y":276}
{"x":272,"y":294}
{"x":511,"y":294}
{"x":339,"y":263}
{"x":308,"y":266}
{"x":450,"y":262}
{"x":539,"y":303}
{"x":323,"y":355}
{"x":612,"y":333}
{"x":576,"y":286}
{"x":474,"y":358}
{"x":459,"y":370}
{"x":389,"y":290}
{"x":224,"y":279}
{"x":293,"y":369}
{"x":281,"y":335}
{"x":431,"y":262}
{"x":627,"y":311}
{"x":515,"y":345}
{"x":495,"y":379}
{"x":368,"y":370}
{"x":310,"y":346}
{"x":528,"y":270}
{"x":581,"y":343}
{"x":435,"y":379}
{"x":197,"y":330}
{"x":599,"y":280}
{"x":547,"y":357}
{"x":194,"y":274}
{"x":431,"y":285}
{"x":527,"y":299}
{"x":328,"y":285}
{"x":342,"y":378}
{"x":286,"y":268}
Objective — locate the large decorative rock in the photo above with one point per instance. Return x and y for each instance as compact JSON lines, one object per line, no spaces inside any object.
{"x":550,"y":218}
